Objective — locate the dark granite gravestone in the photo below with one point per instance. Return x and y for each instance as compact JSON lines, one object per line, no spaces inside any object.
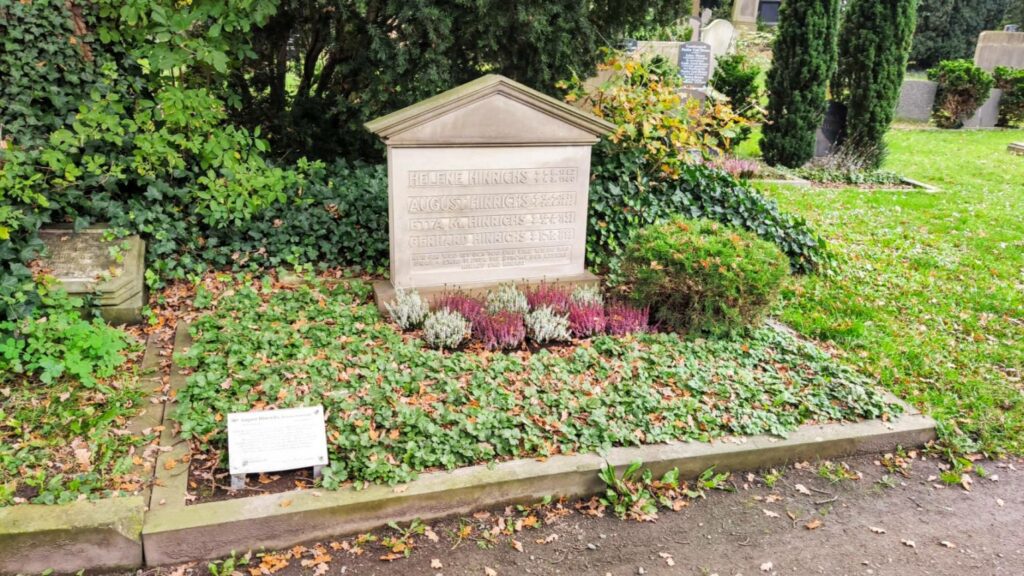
{"x":695,"y":64}
{"x":111,"y":271}
{"x":831,"y":130}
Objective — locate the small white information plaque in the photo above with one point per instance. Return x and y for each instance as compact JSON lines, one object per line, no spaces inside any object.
{"x":275,"y":440}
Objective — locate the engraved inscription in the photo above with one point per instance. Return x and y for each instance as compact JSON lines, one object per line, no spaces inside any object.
{"x":507,"y":201}
{"x":491,"y":238}
{"x":481,"y":259}
{"x":492,"y":221}
{"x":489,"y":177}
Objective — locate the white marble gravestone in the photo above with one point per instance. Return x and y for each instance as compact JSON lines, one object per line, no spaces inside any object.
{"x":487,"y":183}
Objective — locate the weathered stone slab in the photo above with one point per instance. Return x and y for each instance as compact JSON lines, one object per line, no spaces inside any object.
{"x":721,"y":36}
{"x":917,"y":98}
{"x":987,"y":115}
{"x":85,"y":265}
{"x":487,"y":182}
{"x":999,"y":49}
{"x":744,"y":13}
{"x":1016,"y":148}
{"x":384,"y":292}
{"x":101,"y":535}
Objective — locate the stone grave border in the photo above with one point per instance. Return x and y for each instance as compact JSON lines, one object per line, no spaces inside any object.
{"x":98,"y":535}
{"x":176,"y":533}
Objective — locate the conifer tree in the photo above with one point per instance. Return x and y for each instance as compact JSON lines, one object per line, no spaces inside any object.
{"x":874,"y":44}
{"x":804,"y":61}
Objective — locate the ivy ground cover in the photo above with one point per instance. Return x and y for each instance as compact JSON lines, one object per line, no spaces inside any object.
{"x":395,"y":408}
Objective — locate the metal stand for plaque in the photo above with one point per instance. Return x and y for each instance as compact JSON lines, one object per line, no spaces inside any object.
{"x":238,"y":480}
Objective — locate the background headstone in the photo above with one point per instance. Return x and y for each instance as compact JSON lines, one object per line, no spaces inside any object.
{"x":827,"y":136}
{"x":987,"y":115}
{"x":695,"y":25}
{"x":999,"y":49}
{"x":695,"y":64}
{"x":917,"y":97}
{"x":768,"y":11}
{"x":744,"y":13}
{"x":1016,"y":148}
{"x":83,"y":263}
{"x":721,"y":36}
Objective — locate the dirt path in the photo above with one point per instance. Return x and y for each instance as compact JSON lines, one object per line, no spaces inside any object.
{"x":929,"y":529}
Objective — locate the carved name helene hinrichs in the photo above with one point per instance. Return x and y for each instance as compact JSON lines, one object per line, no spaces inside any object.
{"x":487,"y":182}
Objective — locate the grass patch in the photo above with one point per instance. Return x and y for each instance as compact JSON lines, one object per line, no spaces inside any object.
{"x":396,"y":408}
{"x":929,"y":297}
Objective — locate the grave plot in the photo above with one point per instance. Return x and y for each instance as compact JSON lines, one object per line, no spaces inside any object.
{"x":78,"y":425}
{"x":395,"y":408}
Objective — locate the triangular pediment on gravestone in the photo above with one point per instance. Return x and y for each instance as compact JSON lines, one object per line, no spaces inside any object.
{"x":490,"y":111}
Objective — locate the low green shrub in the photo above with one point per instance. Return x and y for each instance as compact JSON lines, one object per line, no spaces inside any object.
{"x":1011,"y":107}
{"x":701,"y":276}
{"x":55,"y":342}
{"x":736,"y":77}
{"x":625,"y":197}
{"x":963,"y":88}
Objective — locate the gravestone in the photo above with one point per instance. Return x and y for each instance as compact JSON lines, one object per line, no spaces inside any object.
{"x":487,"y":183}
{"x":917,"y":98}
{"x":999,"y":49}
{"x":110,"y":271}
{"x":827,"y":136}
{"x":695,"y":64}
{"x":744,"y":13}
{"x":1016,"y":148}
{"x":721,"y":36}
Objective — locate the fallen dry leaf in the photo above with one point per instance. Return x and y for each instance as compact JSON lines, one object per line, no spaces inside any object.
{"x":767,"y":567}
{"x":814,"y":524}
{"x":488,"y":571}
{"x":285,"y":503}
{"x":771,"y":514}
{"x":909,"y":543}
{"x":435,"y":564}
{"x":802,"y":489}
{"x":517,"y":545}
{"x":948,"y":544}
{"x":877,"y":530}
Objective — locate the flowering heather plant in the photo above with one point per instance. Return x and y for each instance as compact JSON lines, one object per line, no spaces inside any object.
{"x":545,"y":325}
{"x":625,"y":319}
{"x":507,"y":298}
{"x":736,"y":167}
{"x":470,"y":308}
{"x":445,"y":329}
{"x":586,"y":320}
{"x":501,"y":331}
{"x":408,"y":309}
{"x":550,"y":296}
{"x":587,"y":295}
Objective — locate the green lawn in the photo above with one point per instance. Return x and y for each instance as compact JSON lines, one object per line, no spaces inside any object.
{"x":930,"y":293}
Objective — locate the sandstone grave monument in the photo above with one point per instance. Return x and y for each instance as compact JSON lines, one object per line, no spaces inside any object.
{"x":487,"y":183}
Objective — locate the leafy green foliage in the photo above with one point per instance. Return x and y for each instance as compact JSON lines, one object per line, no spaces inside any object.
{"x":702,"y":277}
{"x":325,"y":67}
{"x":55,"y":342}
{"x":1011,"y":106}
{"x":627,"y":194}
{"x":643,"y":97}
{"x":397,"y":408}
{"x":873,"y":49}
{"x":963,"y":88}
{"x":949,"y":29}
{"x":64,"y":399}
{"x":804,"y":61}
{"x":736,"y":77}
{"x":636,"y":495}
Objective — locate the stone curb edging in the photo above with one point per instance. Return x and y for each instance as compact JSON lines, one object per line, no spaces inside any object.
{"x":175,"y":533}
{"x":97,"y":535}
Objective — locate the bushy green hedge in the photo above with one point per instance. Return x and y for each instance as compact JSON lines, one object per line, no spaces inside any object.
{"x":627,"y":195}
{"x":1011,"y":107}
{"x":701,"y":276}
{"x":963,"y":88}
